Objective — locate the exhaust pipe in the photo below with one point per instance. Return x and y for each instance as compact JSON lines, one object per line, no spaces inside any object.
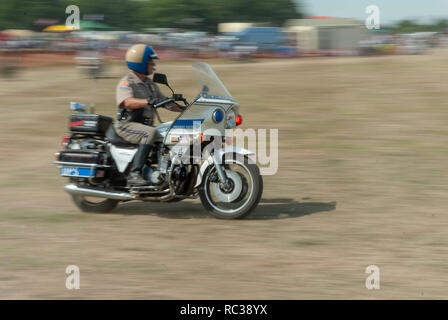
{"x":75,"y":190}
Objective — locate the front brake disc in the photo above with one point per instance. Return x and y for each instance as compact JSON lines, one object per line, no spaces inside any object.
{"x":233,"y":193}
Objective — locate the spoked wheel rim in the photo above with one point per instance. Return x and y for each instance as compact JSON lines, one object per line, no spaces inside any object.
{"x":238,"y":194}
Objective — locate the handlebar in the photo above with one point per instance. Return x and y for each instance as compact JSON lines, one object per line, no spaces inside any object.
{"x":180,"y":97}
{"x":176,"y":97}
{"x":161,"y":103}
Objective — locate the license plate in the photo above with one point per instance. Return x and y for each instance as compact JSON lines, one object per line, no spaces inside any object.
{"x":77,"y":172}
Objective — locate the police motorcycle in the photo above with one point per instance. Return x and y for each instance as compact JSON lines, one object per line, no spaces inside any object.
{"x":190,"y":157}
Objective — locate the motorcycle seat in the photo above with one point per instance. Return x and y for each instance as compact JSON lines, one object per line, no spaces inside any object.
{"x":116,"y":140}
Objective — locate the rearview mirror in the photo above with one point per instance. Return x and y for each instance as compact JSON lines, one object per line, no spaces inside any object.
{"x":160,"y":78}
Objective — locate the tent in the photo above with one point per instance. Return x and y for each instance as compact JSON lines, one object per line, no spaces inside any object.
{"x":83,"y":25}
{"x":58,"y":28}
{"x":93,"y":25}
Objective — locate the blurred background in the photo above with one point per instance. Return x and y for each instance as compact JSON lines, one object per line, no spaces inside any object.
{"x":34,"y":32}
{"x":362,"y":127}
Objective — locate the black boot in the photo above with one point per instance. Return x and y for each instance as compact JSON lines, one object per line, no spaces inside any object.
{"x":135,"y":176}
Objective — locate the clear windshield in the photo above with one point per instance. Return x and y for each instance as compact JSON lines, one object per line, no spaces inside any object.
{"x":209,"y":84}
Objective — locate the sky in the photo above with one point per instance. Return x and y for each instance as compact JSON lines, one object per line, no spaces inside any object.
{"x":423,"y":11}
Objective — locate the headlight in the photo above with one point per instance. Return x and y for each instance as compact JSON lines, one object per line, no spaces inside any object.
{"x":230,"y":119}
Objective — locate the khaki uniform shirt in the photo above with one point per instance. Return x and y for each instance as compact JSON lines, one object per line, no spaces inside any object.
{"x":130,"y":86}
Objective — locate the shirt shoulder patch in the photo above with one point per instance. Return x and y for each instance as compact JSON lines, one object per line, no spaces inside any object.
{"x":124,"y":84}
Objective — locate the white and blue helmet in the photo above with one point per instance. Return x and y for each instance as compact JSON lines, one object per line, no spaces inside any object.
{"x":137,"y":57}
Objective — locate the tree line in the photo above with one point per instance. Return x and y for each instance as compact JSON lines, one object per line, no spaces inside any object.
{"x":200,"y":15}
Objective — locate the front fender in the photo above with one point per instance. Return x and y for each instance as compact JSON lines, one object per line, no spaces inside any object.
{"x":219,"y":154}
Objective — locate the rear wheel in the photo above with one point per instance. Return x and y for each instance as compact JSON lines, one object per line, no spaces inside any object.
{"x":240,"y":197}
{"x":93,"y":204}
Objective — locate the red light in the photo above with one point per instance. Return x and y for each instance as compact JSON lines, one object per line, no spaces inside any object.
{"x":77,"y":123}
{"x":238,"y":120}
{"x":65,"y":141}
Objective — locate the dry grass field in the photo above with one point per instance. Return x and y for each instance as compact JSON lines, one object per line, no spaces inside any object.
{"x":361,"y":181}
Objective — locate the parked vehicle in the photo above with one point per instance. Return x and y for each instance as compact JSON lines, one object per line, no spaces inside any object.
{"x":263,"y":38}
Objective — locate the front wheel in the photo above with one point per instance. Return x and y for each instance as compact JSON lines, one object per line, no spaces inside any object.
{"x":240,"y":196}
{"x":91,"y":204}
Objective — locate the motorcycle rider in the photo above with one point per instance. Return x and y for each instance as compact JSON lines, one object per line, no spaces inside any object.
{"x":135,"y":94}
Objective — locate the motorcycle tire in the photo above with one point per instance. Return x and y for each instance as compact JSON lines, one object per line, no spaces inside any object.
{"x":107,"y":205}
{"x":247,"y":208}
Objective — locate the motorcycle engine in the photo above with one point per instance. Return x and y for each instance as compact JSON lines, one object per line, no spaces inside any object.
{"x":179,"y":173}
{"x":153,"y":175}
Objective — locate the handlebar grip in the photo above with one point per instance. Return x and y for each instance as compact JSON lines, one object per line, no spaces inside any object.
{"x":161,"y":103}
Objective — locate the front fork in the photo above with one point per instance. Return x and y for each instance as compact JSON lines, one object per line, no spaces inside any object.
{"x":218,"y":166}
{"x":224,"y":182}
